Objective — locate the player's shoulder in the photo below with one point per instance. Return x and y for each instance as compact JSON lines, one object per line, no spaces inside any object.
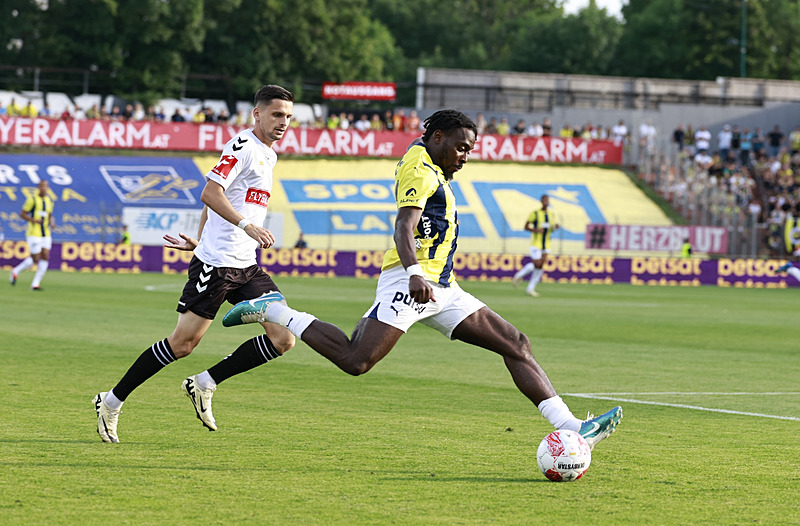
{"x":417,"y":158}
{"x":243,"y":141}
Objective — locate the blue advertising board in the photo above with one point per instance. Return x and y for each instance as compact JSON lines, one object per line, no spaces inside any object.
{"x":90,"y":192}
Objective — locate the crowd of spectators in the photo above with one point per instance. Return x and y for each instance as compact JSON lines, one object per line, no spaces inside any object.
{"x":740,"y":176}
{"x":398,"y":120}
{"x":127,"y":112}
{"x":387,"y":120}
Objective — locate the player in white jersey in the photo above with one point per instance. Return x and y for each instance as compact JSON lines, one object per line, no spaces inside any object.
{"x":223,"y":268}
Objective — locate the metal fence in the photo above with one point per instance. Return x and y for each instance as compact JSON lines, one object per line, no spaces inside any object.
{"x":706,"y":200}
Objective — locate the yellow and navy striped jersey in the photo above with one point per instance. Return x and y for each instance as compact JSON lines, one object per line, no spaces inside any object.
{"x":39,"y":208}
{"x":541,"y":219}
{"x":421,"y":184}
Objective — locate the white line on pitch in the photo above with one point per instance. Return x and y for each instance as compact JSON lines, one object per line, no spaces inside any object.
{"x":680,"y":406}
{"x":683,"y":393}
{"x":170,"y":287}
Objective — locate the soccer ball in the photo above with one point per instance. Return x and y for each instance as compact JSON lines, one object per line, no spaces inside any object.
{"x":564,"y":456}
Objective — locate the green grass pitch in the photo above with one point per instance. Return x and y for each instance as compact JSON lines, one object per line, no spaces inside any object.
{"x":434,"y":434}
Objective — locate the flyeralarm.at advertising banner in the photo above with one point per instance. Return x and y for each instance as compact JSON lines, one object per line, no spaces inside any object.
{"x":300,"y":141}
{"x":704,"y":239}
{"x":678,"y":272}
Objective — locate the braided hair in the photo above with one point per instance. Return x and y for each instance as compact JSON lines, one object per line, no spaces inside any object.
{"x":447,"y":120}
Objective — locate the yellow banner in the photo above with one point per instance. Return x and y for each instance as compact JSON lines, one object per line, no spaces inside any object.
{"x":350,"y":205}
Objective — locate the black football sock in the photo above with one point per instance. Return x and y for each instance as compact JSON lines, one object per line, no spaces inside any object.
{"x":155,"y":358}
{"x":249,"y":355}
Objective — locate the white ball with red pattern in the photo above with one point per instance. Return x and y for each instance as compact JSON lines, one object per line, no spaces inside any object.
{"x":564,"y":456}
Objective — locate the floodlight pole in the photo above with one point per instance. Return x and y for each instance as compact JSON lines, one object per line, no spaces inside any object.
{"x":743,"y":41}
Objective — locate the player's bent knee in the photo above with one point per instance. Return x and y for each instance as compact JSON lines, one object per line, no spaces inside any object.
{"x":356,"y":367}
{"x":285,"y":344}
{"x":520,"y":348}
{"x":182,"y":349}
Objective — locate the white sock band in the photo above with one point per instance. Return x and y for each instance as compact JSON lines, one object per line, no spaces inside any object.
{"x":205,"y":381}
{"x":112,"y":401}
{"x":40,"y":270}
{"x":24,"y":264}
{"x":524,"y":271}
{"x":555,"y":411}
{"x":297,"y":322}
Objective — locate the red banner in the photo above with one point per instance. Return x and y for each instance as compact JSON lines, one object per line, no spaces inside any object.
{"x":301,"y":141}
{"x":359,"y":91}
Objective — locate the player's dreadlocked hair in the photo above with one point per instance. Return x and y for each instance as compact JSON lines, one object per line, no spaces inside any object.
{"x":271,"y":92}
{"x":447,"y":120}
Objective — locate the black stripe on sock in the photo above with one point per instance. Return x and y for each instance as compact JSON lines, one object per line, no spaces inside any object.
{"x":266,"y":348}
{"x":163,"y":352}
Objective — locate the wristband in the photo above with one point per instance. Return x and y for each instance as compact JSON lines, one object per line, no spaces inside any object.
{"x":415,"y":270}
{"x":243,"y":223}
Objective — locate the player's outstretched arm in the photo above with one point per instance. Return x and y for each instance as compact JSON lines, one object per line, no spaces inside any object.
{"x":185,"y":243}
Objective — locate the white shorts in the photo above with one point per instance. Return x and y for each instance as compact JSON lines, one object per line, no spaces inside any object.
{"x":393,"y":305}
{"x":36,"y":244}
{"x":536,"y":252}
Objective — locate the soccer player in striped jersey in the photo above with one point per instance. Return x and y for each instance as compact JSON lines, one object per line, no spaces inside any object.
{"x":38,"y":212}
{"x":790,"y":269}
{"x":541,"y":224}
{"x":417,"y":284}
{"x":223,"y":267}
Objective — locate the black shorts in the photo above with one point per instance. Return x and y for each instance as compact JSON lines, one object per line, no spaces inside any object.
{"x":208,"y":287}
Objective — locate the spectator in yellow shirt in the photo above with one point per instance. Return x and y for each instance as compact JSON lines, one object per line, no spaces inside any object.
{"x":29,"y":111}
{"x":13,"y":109}
{"x":503,"y":128}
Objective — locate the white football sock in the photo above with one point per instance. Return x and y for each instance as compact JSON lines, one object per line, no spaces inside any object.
{"x":112,"y":401}
{"x":205,"y":381}
{"x":24,"y":264}
{"x":40,"y":270}
{"x":535,"y":277}
{"x":794,"y":272}
{"x":297,"y":322}
{"x":524,"y":271}
{"x":555,"y":411}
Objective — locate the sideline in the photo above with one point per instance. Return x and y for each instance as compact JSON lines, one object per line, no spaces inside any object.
{"x":615,"y":397}
{"x":167,"y":287}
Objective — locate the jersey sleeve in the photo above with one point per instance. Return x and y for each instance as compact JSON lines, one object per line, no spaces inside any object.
{"x":28,"y":205}
{"x":232,"y":162}
{"x":415,"y":184}
{"x":534,"y":218}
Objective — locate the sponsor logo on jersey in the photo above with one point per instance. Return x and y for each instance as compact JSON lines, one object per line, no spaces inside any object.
{"x":257,"y":197}
{"x":239,"y":144}
{"x":427,"y":226}
{"x":224,"y":166}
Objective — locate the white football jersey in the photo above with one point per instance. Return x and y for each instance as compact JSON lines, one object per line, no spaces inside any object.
{"x":244,"y":170}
